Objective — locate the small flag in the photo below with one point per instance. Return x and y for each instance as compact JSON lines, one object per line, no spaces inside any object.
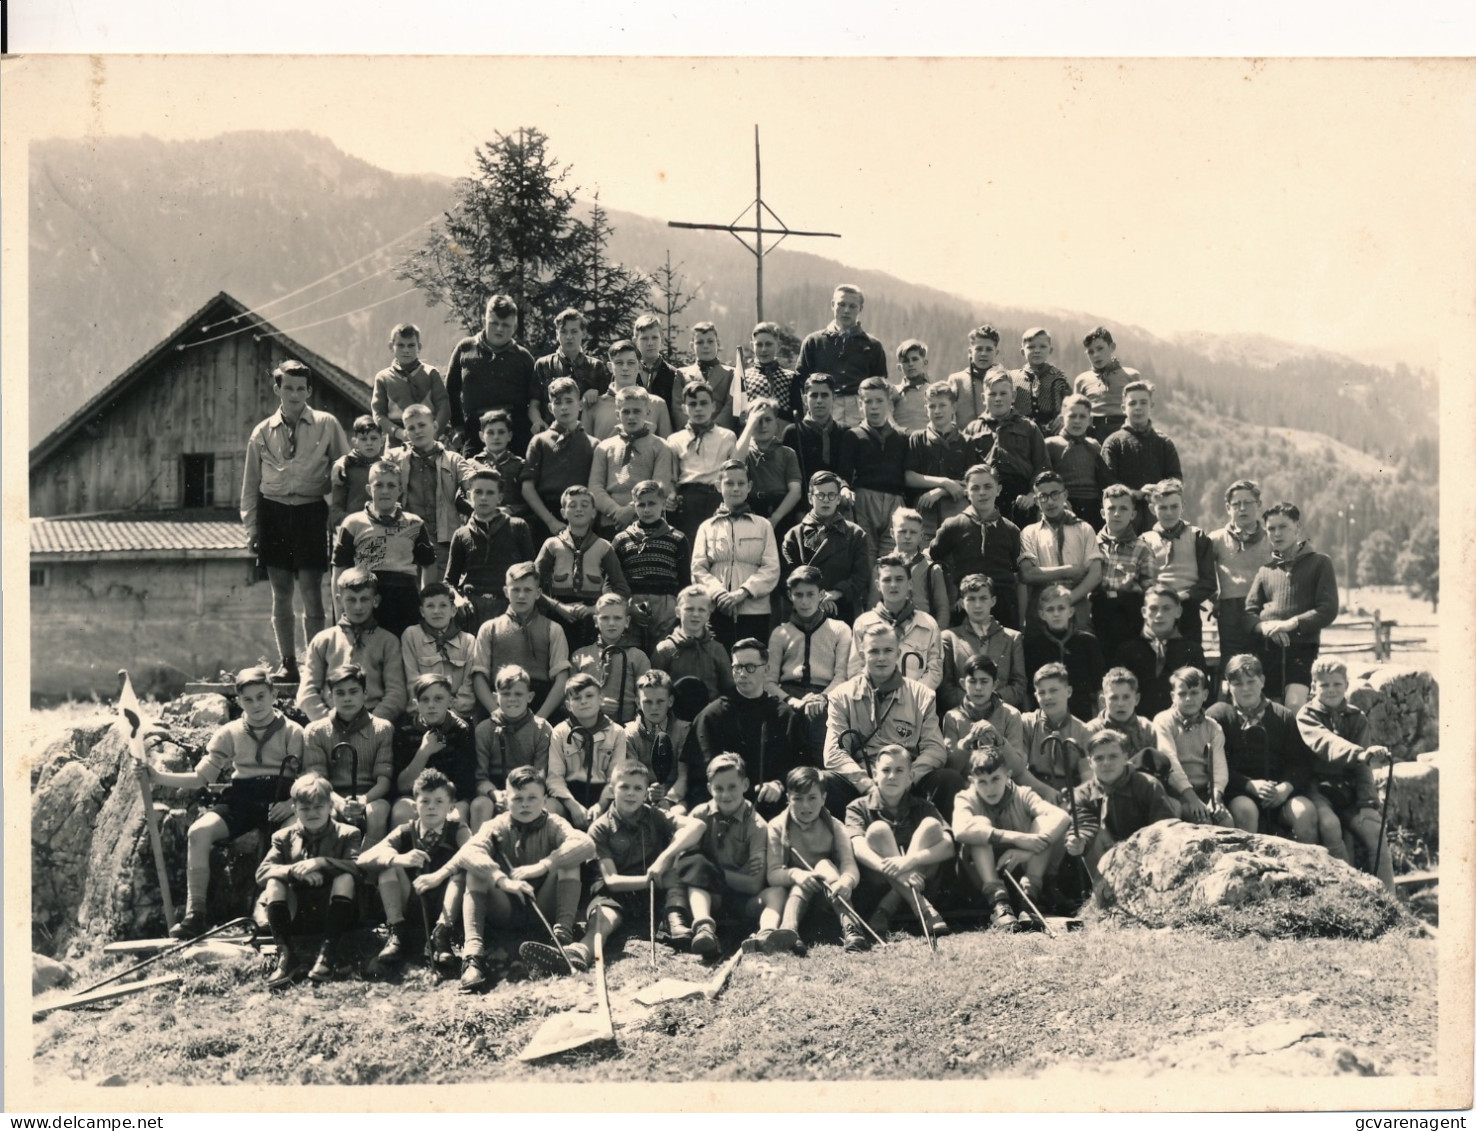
{"x":130,"y":722}
{"x":740,"y":396}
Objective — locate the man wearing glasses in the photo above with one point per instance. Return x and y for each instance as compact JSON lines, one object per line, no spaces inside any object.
{"x":760,"y":729}
{"x":1060,"y":549}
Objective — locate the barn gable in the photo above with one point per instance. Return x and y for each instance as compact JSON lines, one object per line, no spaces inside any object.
{"x":170,"y":432}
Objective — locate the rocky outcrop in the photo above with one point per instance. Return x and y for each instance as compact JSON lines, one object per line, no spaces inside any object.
{"x":1402,"y":705}
{"x":1227,"y":881}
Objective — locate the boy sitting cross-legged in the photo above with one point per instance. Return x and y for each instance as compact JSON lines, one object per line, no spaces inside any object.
{"x":1343,"y":786}
{"x":1195,"y":748}
{"x":1114,"y":803}
{"x":308,"y":880}
{"x":424,"y":844}
{"x":901,"y":843}
{"x":434,"y":736}
{"x":731,"y":862}
{"x":636,"y":843}
{"x":436,"y":646}
{"x":512,"y":736}
{"x":258,"y":754}
{"x":544,"y":853}
{"x":360,"y":776}
{"x":359,"y":639}
{"x":525,"y":637}
{"x":1002,"y":826}
{"x":809,"y":854}
{"x":490,"y":542}
{"x":581,"y":752}
{"x":616,"y":665}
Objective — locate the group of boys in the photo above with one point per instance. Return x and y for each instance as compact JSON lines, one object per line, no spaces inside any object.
{"x":904,"y":702}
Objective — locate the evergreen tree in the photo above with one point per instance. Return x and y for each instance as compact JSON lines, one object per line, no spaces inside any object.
{"x":1418,"y":564}
{"x":610,"y":294}
{"x":1376,"y":559}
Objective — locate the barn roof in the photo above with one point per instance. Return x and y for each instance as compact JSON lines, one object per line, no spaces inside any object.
{"x":167,"y":535}
{"x":199,"y":326}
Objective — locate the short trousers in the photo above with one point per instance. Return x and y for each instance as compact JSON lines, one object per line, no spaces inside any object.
{"x":292,"y":537}
{"x":1298,"y":660}
{"x":245,"y":805}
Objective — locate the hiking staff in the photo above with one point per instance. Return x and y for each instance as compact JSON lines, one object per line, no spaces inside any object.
{"x":128,"y":710}
{"x":853,"y":742}
{"x":174,"y":949}
{"x":923,"y":919}
{"x":624,"y":651}
{"x":845,"y":904}
{"x":922,"y":663}
{"x":1076,"y":832}
{"x":1034,"y":910}
{"x":651,"y":908}
{"x":542,"y":918}
{"x":1384,"y":817}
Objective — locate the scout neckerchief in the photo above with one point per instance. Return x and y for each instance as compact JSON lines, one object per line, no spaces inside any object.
{"x":291,"y":426}
{"x":519,"y":834}
{"x":982,"y":714}
{"x":1286,"y":557}
{"x":1171,"y":537}
{"x":484,"y":534}
{"x":699,"y":432}
{"x":662,"y":755}
{"x":580,"y":548}
{"x":734,"y":512}
{"x":1160,"y":647}
{"x":984,"y":525}
{"x":502,"y":726}
{"x":706,"y":367}
{"x":901,"y":617}
{"x":357,"y":632}
{"x":645,"y":533}
{"x":630,"y":439}
{"x":825,"y":431}
{"x":266,"y":734}
{"x":390,"y":521}
{"x":441,"y":638}
{"x":1057,"y":527}
{"x":808,"y":628}
{"x":586,"y":736}
{"x":1242,"y":539}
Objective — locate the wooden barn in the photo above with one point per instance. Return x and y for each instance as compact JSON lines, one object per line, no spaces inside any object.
{"x":138,"y":557}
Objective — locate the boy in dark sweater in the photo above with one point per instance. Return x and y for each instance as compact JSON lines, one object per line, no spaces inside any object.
{"x":878,"y":465}
{"x":981,"y":540}
{"x":496,"y":430}
{"x":349,"y":474}
{"x":839,"y":549}
{"x":820,"y":442}
{"x":1291,"y":600}
{"x":1055,"y":639}
{"x":485,"y":547}
{"x":656,"y":559}
{"x":1077,"y":458}
{"x":434,"y":737}
{"x":1158,"y":651}
{"x":692,"y":650}
{"x":1137,"y":454}
{"x":1116,"y":802}
{"x":1011,"y":443}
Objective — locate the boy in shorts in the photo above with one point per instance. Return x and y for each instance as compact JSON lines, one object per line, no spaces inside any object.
{"x":1291,"y":600}
{"x":512,"y":736}
{"x":730,"y":865}
{"x":260,"y":753}
{"x":309,"y":877}
{"x":525,"y":637}
{"x":809,"y":855}
{"x":910,"y":398}
{"x":425,"y":845}
{"x":525,"y":854}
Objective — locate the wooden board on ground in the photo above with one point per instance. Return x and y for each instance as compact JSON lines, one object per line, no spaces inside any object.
{"x":675,"y":989}
{"x":152,"y":946}
{"x":106,"y":995}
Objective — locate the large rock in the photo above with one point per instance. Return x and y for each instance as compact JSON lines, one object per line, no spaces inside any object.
{"x":1173,"y":874}
{"x":1414,"y":800}
{"x":1402,"y":705}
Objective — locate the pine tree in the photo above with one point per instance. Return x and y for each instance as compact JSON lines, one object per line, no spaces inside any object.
{"x":610,"y":294}
{"x":1418,"y":564}
{"x":671,"y":298}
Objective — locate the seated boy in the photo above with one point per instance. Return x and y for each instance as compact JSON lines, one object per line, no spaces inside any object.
{"x":773,"y":469}
{"x":979,"y":634}
{"x":877,"y":471}
{"x":981,"y":704}
{"x":901,"y":843}
{"x":580,"y":753}
{"x":496,"y":429}
{"x":735,"y":557}
{"x":1055,"y":739}
{"x":1115,"y":802}
{"x":809,"y":855}
{"x":425,"y":845}
{"x":701,"y":448}
{"x":1195,"y":749}
{"x":658,"y":739}
{"x":918,"y":635}
{"x":406,"y":382}
{"x":731,"y":861}
{"x":1185,"y":556}
{"x":354,"y":750}
{"x":937,"y":457}
{"x":1343,"y":786}
{"x":656,"y":559}
{"x":1268,"y":764}
{"x":308,"y":879}
{"x":490,"y":542}
{"x":436,"y":646}
{"x":575,"y":566}
{"x":910,"y":398}
{"x":1129,"y":570}
{"x":1057,"y":638}
{"x":1120,"y":713}
{"x":1000,"y":827}
{"x":510,"y":737}
{"x":637,"y":845}
{"x":608,"y":416}
{"x":983,"y":541}
{"x":432,"y":477}
{"x":1158,"y":650}
{"x":1077,"y":458}
{"x":525,"y":637}
{"x":435,"y":737}
{"x":258,"y":755}
{"x":349,"y":474}
{"x":558,"y":458}
{"x":526,"y":853}
{"x":809,"y":655}
{"x":615,"y":665}
{"x":692,"y":651}
{"x":391,"y":542}
{"x":1137,"y":454}
{"x":631,"y":454}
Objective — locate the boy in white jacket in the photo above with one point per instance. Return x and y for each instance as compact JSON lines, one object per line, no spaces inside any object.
{"x":735,"y":557}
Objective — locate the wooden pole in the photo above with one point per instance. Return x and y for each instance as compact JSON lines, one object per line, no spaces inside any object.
{"x":758,"y":223}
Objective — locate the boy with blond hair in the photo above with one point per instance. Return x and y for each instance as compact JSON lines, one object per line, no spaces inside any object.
{"x":731,"y":862}
{"x":358,"y":638}
{"x":432,"y":478}
{"x":607,"y":415}
{"x":510,"y":737}
{"x":558,"y":458}
{"x":809,"y":855}
{"x":576,"y":566}
{"x":581,"y":752}
{"x":767,"y":379}
{"x":394,"y":544}
{"x":407,"y":381}
{"x":929,"y":585}
{"x":1194,"y":747}
{"x":773,"y":469}
{"x":735,"y":558}
{"x":692,"y":650}
{"x":617,"y":666}
{"x":707,"y":367}
{"x":910,"y":398}
{"x":1185,"y":556}
{"x":630,"y":455}
{"x":1041,"y":390}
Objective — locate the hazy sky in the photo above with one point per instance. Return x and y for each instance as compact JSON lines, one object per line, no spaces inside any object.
{"x":1327,"y":202}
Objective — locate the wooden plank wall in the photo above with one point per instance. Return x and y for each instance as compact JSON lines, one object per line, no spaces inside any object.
{"x":191,"y":402}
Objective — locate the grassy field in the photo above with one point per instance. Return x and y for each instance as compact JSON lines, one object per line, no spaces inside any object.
{"x":986,"y":1005}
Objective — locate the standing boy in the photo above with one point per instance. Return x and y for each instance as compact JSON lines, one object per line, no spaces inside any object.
{"x":969,"y":384}
{"x":773,"y":469}
{"x":1104,"y":382}
{"x":1137,"y":454}
{"x":627,"y":457}
{"x":436,"y":646}
{"x":525,"y":637}
{"x":1077,"y":458}
{"x":1060,"y":550}
{"x":589,"y":374}
{"x":878,"y":465}
{"x":431,"y":480}
{"x":1292,"y":599}
{"x":736,"y":559}
{"x":657,"y":375}
{"x":350,"y":474}
{"x":980,"y":634}
{"x":1185,"y":556}
{"x":692,"y":651}
{"x":496,"y":430}
{"x":768,"y":380}
{"x":656,"y":560}
{"x":983,"y":541}
{"x":1010,"y":442}
{"x":1129,"y":570}
{"x":625,"y":374}
{"x":707,"y":367}
{"x":558,"y":458}
{"x":910,"y":399}
{"x":937,"y":457}
{"x":1158,"y":650}
{"x":487,"y":546}
{"x":1241,"y":549}
{"x":490,"y":370}
{"x":817,"y":438}
{"x":833,"y":545}
{"x":701,"y":448}
{"x":845,"y":351}
{"x":576,"y":566}
{"x":284,"y":507}
{"x":1040,"y":388}
{"x":407,"y":381}
{"x":359,"y":639}
{"x":388,"y":540}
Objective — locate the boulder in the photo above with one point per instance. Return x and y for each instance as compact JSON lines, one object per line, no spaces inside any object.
{"x":1414,"y":799}
{"x":1226,"y":881}
{"x":1402,"y":705}
{"x":48,"y":973}
{"x":206,"y":711}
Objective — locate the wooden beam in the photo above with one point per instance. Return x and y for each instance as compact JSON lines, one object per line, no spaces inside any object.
{"x":107,"y":994}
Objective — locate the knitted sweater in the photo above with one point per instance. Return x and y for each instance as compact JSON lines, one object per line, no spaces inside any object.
{"x":1299,"y":586}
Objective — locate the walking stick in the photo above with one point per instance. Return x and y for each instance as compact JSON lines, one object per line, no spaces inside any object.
{"x":129,"y":717}
{"x":922,"y":663}
{"x":844,"y":903}
{"x":651,"y":905}
{"x":353,"y":764}
{"x":1034,"y":910}
{"x":1384,"y":818}
{"x":167,"y":951}
{"x":923,"y":919}
{"x":542,"y":918}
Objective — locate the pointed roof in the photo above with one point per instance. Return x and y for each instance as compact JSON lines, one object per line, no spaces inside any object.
{"x":200,"y":326}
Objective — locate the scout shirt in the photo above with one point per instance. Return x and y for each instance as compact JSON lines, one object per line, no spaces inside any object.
{"x":737,"y":843}
{"x":371,"y":738}
{"x":903,"y":820}
{"x":237,"y":752}
{"x":504,"y":744}
{"x":900,"y":711}
{"x":583,"y":754}
{"x":632,"y":843}
{"x":426,"y":652}
{"x":290,"y":463}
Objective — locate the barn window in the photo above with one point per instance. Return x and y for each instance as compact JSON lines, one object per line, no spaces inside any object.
{"x":40,"y":578}
{"x":199,"y":480}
